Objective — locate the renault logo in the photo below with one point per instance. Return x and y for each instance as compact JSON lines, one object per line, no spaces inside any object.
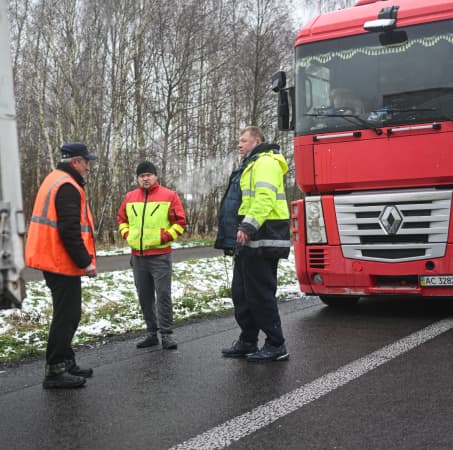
{"x":390,"y":220}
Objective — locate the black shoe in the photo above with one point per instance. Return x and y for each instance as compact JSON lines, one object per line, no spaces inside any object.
{"x":239,"y":349}
{"x":63,"y":380}
{"x":168,"y":343}
{"x":74,"y":369}
{"x":149,"y":341}
{"x":269,"y":353}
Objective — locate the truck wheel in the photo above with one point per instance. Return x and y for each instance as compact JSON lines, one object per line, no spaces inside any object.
{"x":339,"y":301}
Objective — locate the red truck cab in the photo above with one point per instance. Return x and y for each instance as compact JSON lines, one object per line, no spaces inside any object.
{"x":373,"y":122}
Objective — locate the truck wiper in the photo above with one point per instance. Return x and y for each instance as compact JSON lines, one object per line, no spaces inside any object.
{"x":386,"y":113}
{"x":398,"y":110}
{"x":358,"y":119}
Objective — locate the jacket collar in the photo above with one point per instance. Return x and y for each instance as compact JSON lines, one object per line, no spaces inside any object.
{"x":261,"y":148}
{"x":66,"y":167}
{"x":151,"y":189}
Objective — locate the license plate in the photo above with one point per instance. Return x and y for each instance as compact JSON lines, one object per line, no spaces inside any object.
{"x":436,"y":281}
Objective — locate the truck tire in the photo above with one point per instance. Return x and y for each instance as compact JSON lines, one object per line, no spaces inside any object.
{"x":339,"y":301}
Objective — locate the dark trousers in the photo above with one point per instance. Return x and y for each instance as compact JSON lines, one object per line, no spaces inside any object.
{"x":67,"y":309}
{"x":255,"y":304}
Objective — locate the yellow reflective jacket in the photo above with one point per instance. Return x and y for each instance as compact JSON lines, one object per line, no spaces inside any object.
{"x":264,"y":209}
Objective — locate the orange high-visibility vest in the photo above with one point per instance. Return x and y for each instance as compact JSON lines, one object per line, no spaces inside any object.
{"x":44,"y":249}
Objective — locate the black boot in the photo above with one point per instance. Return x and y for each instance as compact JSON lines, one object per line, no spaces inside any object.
{"x":239,"y":349}
{"x":269,"y":352}
{"x":150,"y":341}
{"x":58,"y":378}
{"x":74,"y":369}
{"x":168,"y":343}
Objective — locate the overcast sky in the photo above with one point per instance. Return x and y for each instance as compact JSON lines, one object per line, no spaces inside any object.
{"x":302,"y":13}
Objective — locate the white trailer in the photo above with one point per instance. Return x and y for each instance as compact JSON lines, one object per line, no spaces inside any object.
{"x":12,"y":224}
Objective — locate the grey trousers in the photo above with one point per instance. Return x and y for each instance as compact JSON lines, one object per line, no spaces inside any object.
{"x":152,"y":276}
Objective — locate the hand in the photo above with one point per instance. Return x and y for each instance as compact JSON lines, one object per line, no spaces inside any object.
{"x":165,"y":236}
{"x":242,"y":238}
{"x":90,"y":271}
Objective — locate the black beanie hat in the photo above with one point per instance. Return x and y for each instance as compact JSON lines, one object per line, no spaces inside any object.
{"x":146,"y":167}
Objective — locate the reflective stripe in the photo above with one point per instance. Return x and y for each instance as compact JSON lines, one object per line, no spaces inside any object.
{"x":270,"y":186}
{"x":251,"y":221}
{"x":248,"y":193}
{"x":43,"y":219}
{"x":268,"y":243}
{"x":85,"y":219}
{"x":45,"y":208}
{"x":53,"y":224}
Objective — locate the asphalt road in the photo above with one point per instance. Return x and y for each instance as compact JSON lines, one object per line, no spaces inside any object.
{"x":121,"y":262}
{"x":374,"y":377}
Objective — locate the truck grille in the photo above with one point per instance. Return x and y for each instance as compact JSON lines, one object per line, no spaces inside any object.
{"x":394,"y":225}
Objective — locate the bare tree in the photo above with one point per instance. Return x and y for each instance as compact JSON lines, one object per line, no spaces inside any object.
{"x":169,"y":81}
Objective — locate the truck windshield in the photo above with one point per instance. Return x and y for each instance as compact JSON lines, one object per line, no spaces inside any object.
{"x":375,"y":79}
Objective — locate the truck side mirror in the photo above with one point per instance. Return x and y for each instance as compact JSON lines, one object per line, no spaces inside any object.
{"x":283,"y":110}
{"x":285,"y":97}
{"x":278,"y":81}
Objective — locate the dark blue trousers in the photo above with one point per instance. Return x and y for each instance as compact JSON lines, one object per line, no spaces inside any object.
{"x":255,"y":304}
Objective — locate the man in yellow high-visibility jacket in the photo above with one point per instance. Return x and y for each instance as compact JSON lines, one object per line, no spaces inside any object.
{"x":262,"y":238}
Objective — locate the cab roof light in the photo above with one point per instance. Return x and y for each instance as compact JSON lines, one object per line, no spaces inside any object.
{"x":386,"y":20}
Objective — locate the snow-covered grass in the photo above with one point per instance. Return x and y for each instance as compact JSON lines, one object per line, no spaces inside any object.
{"x":110,"y":306}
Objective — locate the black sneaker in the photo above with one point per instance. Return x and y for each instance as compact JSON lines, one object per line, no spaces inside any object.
{"x":74,"y":369}
{"x":239,"y":349}
{"x":168,"y":343}
{"x":269,"y":353}
{"x":149,"y":341}
{"x":63,"y":380}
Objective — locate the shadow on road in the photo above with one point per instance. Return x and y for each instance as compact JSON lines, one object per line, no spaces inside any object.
{"x":427,"y":308}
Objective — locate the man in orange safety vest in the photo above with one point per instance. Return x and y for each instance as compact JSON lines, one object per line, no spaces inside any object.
{"x":60,"y":242}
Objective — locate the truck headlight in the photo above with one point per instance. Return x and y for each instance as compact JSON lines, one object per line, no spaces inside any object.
{"x":314,"y":218}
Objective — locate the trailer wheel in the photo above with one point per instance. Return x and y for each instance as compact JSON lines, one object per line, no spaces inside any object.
{"x":339,"y":301}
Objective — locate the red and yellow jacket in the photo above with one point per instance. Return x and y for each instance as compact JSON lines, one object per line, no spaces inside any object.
{"x":150,"y":219}
{"x":44,"y":248}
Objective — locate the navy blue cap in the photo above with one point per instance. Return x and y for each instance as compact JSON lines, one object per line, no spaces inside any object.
{"x":72,"y":149}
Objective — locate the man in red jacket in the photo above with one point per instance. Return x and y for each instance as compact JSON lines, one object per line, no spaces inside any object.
{"x":150,"y":218}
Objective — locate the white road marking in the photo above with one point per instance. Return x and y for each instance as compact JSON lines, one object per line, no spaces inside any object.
{"x":225,"y":434}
